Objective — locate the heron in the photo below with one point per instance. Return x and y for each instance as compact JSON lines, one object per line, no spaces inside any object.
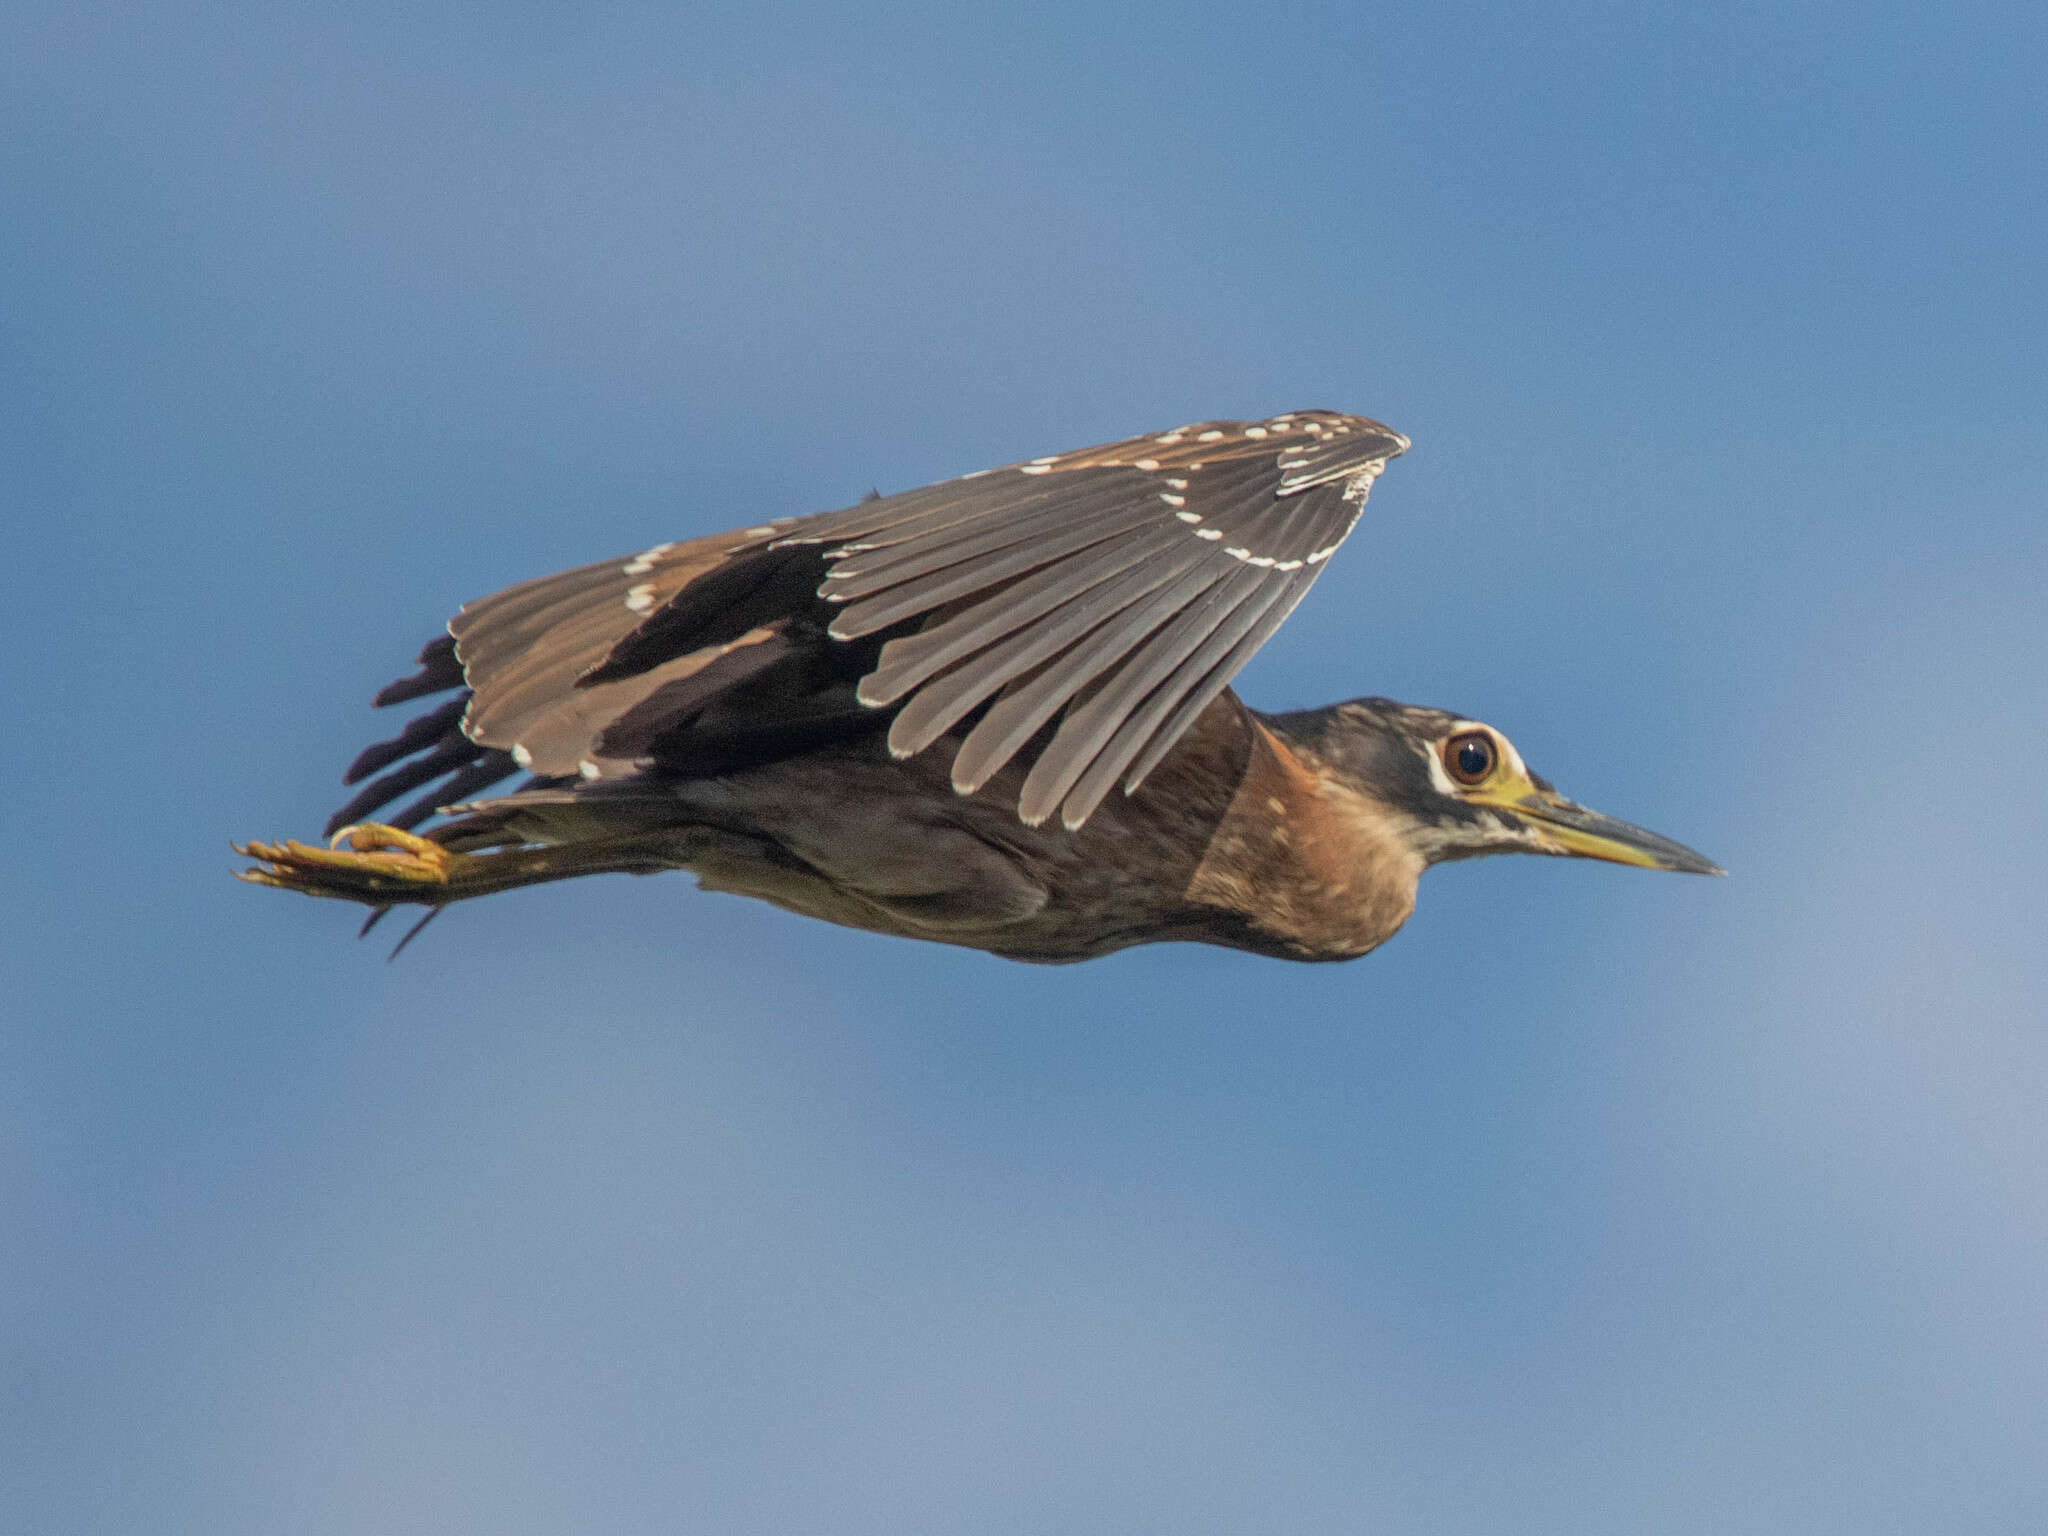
{"x":992,"y":712}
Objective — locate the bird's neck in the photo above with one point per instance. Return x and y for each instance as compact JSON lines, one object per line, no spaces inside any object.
{"x":1306,"y":858}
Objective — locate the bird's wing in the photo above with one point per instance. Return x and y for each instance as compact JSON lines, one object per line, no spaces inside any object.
{"x":519,"y":656}
{"x":1117,"y":588}
{"x":1114,"y":589}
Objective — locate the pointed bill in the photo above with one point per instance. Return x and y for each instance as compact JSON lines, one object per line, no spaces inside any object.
{"x":1589,"y":835}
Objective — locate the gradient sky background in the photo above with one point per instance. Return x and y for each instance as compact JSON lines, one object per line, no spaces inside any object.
{"x":1596,"y":1202}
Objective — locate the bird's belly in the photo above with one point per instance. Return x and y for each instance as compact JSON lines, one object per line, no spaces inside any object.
{"x":859,"y":839}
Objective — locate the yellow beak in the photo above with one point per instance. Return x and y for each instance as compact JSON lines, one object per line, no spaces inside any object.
{"x":1589,"y":835}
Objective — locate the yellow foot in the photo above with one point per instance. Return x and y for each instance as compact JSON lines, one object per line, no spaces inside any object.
{"x":381,"y":865}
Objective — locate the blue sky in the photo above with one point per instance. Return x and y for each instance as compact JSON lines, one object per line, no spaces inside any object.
{"x":1596,"y":1202}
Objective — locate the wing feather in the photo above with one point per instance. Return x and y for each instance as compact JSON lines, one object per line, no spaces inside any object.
{"x":1018,"y":573}
{"x":1277,"y":602}
{"x":1114,"y":724}
{"x":978,"y":571}
{"x":944,"y":701}
{"x":913,"y":659}
{"x":1019,"y":714}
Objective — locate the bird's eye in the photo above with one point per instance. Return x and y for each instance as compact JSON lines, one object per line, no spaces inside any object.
{"x":1470,"y":756}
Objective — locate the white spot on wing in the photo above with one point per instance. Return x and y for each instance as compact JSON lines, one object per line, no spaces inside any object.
{"x":1172,"y":500}
{"x":521,"y":756}
{"x":1208,"y":533}
{"x":589,"y":770}
{"x":1254,"y":431}
{"x":1035,"y":469}
{"x":1358,"y":485}
{"x":1148,"y":465}
{"x":640,"y":598}
{"x":1209,"y":436}
{"x":643,"y":562}
{"x":1189,"y":517}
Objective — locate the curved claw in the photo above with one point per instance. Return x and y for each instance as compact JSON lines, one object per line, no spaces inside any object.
{"x":376,"y":836}
{"x":381,"y":864}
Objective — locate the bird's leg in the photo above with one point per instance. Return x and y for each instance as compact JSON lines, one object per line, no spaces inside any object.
{"x":368,"y":862}
{"x":381,"y":865}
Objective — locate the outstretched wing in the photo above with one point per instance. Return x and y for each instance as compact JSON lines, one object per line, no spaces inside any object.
{"x":1118,"y":588}
{"x":1114,"y":590}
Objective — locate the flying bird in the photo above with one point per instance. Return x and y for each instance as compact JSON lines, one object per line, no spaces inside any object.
{"x":992,"y":712}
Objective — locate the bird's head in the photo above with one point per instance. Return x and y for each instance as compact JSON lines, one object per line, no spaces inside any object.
{"x":1452,"y":788}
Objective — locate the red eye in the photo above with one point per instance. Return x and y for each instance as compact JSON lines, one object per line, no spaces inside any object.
{"x":1470,"y":756}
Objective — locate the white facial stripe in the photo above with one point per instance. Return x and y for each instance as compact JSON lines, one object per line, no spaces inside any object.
{"x":1439,"y":780}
